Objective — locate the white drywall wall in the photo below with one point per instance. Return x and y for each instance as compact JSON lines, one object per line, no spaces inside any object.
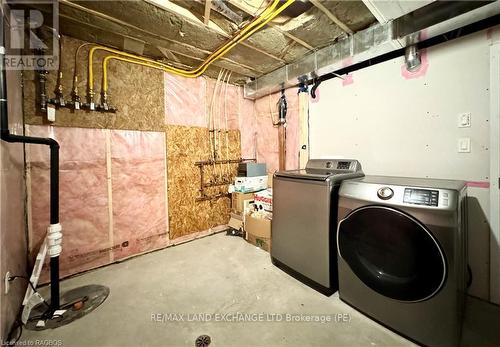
{"x":409,"y":127}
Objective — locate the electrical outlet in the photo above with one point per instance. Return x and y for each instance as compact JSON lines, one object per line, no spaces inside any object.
{"x":7,"y":283}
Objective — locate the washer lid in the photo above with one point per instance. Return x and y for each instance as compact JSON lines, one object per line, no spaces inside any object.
{"x":323,"y":169}
{"x":314,"y":174}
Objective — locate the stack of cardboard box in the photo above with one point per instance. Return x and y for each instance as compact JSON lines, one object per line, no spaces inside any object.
{"x":246,"y":216}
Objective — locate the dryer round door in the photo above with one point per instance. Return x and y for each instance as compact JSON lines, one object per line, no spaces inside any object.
{"x":392,"y":253}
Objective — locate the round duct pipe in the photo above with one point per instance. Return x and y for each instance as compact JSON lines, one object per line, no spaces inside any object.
{"x":412,"y":58}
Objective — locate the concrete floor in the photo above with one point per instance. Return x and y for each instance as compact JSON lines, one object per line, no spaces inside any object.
{"x":219,"y":275}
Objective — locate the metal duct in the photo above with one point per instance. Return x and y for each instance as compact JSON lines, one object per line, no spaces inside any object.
{"x":424,"y":23}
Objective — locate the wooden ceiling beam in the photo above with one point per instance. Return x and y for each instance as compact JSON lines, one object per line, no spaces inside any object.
{"x":245,"y":9}
{"x":208,"y":6}
{"x":177,"y":64}
{"x":292,"y":37}
{"x":148,"y":33}
{"x":332,"y":17}
{"x":118,"y":21}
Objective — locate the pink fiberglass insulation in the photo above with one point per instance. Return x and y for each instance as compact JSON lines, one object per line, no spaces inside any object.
{"x":267,"y":143}
{"x":226,"y":100}
{"x":83,"y":196}
{"x":137,"y":182}
{"x":185,"y":100}
{"x":248,"y":129}
{"x":188,"y":101}
{"x":138,"y":186}
{"x":267,"y":134}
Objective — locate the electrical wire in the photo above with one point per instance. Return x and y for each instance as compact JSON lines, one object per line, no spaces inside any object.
{"x":19,"y":326}
{"x":275,"y":124}
{"x":253,"y":6}
{"x":11,"y":278}
{"x":45,"y":315}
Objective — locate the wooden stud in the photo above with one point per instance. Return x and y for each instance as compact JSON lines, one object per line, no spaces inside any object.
{"x":303,"y":129}
{"x":282,"y":147}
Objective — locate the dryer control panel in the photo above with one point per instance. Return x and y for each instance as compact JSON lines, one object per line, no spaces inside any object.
{"x":425,"y":197}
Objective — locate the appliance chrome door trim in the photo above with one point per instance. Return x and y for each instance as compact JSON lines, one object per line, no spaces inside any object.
{"x":445,"y":272}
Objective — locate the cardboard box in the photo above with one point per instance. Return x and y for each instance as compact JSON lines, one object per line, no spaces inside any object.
{"x":250,"y":184}
{"x":236,"y":221}
{"x":270,"y":180}
{"x":264,"y":200}
{"x":259,"y":227}
{"x":237,"y":201}
{"x":258,"y":230}
{"x":260,"y":242}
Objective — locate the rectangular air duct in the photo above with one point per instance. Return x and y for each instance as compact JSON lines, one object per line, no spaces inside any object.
{"x":424,"y":23}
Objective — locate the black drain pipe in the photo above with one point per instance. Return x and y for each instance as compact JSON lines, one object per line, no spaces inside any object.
{"x":54,"y":170}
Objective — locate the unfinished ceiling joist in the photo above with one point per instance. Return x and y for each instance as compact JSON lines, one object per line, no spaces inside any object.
{"x":290,"y":36}
{"x":208,"y":6}
{"x":435,"y":19}
{"x":118,"y":21}
{"x":237,"y":68}
{"x":330,"y":15}
{"x":159,"y":37}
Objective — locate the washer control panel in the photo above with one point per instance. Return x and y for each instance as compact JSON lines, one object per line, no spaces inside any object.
{"x":425,"y":197}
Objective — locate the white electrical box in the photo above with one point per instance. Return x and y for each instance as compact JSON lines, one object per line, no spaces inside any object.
{"x":464,"y":145}
{"x":464,"y":120}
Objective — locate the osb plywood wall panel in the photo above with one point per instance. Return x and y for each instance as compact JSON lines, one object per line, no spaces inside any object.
{"x":113,"y":182}
{"x":112,"y":194}
{"x":135,"y":90}
{"x":185,"y":146}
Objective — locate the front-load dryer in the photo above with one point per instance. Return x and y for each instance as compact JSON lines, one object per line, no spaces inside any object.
{"x":402,"y":253}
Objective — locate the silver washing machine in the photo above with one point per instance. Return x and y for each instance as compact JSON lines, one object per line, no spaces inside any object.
{"x":402,"y":250}
{"x":304,"y":220}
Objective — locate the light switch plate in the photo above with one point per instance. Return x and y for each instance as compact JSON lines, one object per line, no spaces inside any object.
{"x":464,"y":145}
{"x":464,"y":120}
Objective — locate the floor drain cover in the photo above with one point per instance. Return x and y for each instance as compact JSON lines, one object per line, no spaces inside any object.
{"x":202,"y":341}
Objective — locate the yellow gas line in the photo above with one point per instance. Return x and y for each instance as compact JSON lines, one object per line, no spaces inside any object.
{"x":75,"y":69}
{"x":266,"y":16}
{"x":183,"y":72}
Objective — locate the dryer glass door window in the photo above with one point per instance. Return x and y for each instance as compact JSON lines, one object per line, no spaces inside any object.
{"x":392,"y":253}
